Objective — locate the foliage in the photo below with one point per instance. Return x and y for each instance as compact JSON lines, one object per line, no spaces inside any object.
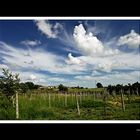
{"x":28,"y":86}
{"x":62,"y":88}
{"x":99,"y":85}
{"x":126,"y":89}
{"x":9,"y":83}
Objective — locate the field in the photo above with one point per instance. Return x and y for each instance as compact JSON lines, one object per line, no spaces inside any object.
{"x":77,"y":104}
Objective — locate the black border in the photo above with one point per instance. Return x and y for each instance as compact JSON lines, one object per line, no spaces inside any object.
{"x":73,"y":130}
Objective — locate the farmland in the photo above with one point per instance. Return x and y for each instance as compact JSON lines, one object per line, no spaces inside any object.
{"x":76,"y":104}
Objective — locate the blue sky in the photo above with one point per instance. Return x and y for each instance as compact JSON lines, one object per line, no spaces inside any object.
{"x":71,"y":52}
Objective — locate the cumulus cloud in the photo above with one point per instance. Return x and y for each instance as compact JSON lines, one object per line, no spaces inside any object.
{"x":31,"y":42}
{"x":73,"y":60}
{"x":87,"y":43}
{"x":51,"y":31}
{"x":132,"y":40}
{"x":95,"y":55}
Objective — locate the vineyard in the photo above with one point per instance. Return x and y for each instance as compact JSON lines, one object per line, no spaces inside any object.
{"x":26,"y":101}
{"x":87,"y":104}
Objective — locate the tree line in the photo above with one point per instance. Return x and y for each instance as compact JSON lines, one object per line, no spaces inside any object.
{"x":10,"y":83}
{"x":126,"y":89}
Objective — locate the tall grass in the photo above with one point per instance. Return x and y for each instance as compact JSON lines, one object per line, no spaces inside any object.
{"x":54,"y":106}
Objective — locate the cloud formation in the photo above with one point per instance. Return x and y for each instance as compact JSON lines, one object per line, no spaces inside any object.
{"x":87,"y":43}
{"x":51,"y":31}
{"x":85,"y":57}
{"x":36,"y":59}
{"x":132,"y":40}
{"x":73,"y":60}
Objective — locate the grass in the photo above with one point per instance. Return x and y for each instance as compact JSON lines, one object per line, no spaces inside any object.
{"x":37,"y":106}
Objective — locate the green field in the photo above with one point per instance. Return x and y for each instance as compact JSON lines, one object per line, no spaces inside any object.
{"x":75,"y":105}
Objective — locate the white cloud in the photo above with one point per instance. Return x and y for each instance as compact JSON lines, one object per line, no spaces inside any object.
{"x":31,"y":42}
{"x":87,"y":43}
{"x":36,"y":59}
{"x":111,"y":78}
{"x":51,"y":31}
{"x":73,"y":60}
{"x":32,"y":77}
{"x":132,"y":40}
{"x":100,"y":56}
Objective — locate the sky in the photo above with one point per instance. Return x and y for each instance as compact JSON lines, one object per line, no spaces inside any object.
{"x":71,"y":52}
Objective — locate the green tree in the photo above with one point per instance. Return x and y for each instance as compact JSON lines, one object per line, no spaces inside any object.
{"x":24,"y":87}
{"x":99,"y":85}
{"x":9,"y":83}
{"x":62,"y":88}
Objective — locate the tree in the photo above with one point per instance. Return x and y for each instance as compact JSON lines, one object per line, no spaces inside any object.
{"x":136,"y":87}
{"x":62,"y":88}
{"x":110,"y":89}
{"x":24,"y":87}
{"x":9,"y":84}
{"x":99,"y":85}
{"x":118,"y":88}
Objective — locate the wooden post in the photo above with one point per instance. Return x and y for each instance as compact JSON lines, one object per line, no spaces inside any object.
{"x":78,"y":108}
{"x":104,"y":100}
{"x":17,"y":106}
{"x":80,"y":98}
{"x":122,"y":100}
{"x":137,"y":92}
{"x":66,"y":99}
{"x":72,"y":98}
{"x":49,"y":100}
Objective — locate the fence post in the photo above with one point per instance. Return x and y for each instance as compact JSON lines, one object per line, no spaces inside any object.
{"x":105,"y":102}
{"x":78,"y":108}
{"x":66,"y":99}
{"x":17,"y":106}
{"x":80,"y":98}
{"x":122,"y":100}
{"x":49,"y":100}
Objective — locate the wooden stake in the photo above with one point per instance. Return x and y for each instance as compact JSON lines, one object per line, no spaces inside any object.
{"x":122,"y":100}
{"x":104,"y":100}
{"x":78,"y":108}
{"x":17,"y":106}
{"x":49,"y":100}
{"x":65,"y":98}
{"x":80,"y":98}
{"x":94,"y":96}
